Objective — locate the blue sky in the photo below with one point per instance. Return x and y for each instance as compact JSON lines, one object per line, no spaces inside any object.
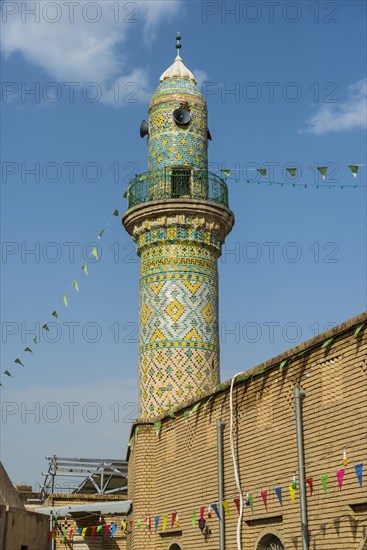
{"x":295,"y":262}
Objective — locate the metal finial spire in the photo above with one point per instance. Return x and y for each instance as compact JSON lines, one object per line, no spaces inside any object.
{"x":178,"y":42}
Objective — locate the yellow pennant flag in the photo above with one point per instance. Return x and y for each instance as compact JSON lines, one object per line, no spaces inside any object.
{"x":84,"y":531}
{"x":292,"y":492}
{"x":226,"y":508}
{"x":165,"y":520}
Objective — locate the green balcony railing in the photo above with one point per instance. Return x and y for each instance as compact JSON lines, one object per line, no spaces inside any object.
{"x":176,"y":183}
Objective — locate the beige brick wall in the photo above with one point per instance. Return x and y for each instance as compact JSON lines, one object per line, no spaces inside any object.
{"x":177,"y":471}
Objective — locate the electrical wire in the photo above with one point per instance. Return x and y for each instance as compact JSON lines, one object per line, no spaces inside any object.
{"x":235,"y":467}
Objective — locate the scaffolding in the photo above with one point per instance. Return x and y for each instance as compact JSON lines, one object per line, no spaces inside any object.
{"x":99,"y":476}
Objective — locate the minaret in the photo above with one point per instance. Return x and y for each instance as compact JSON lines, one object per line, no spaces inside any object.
{"x":178,"y":216}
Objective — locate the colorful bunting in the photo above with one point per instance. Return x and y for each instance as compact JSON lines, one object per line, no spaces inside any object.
{"x":262,"y":171}
{"x":186,"y":415}
{"x":193,"y":518}
{"x":35,"y":340}
{"x":45,"y":327}
{"x":264,"y":495}
{"x":100,"y":234}
{"x":359,"y":472}
{"x":165,"y":520}
{"x":283,"y":364}
{"x":345,"y":458}
{"x":278,"y":491}
{"x":75,"y":285}
{"x":131,"y":523}
{"x":226,"y":508}
{"x":147,"y":522}
{"x":251,"y":502}
{"x":54,"y":314}
{"x":358,"y":330}
{"x":116,"y":213}
{"x":195,"y":407}
{"x":202,"y":510}
{"x":173,"y":519}
{"x":85,"y":269}
{"x":327,"y":343}
{"x":324,"y":480}
{"x":95,"y":253}
{"x":340,"y":476}
{"x":84,"y":532}
{"x":323,"y":171}
{"x":93,"y":531}
{"x":292,"y":492}
{"x":237,"y":502}
{"x":28,"y":350}
{"x":309,"y":482}
{"x":107,"y":530}
{"x":156,"y":521}
{"x":113,"y":530}
{"x":18,"y":362}
{"x":354,"y":169}
{"x":216,"y":510}
{"x":157,"y":426}
{"x":292,"y":171}
{"x":294,"y":482}
{"x":65,"y":300}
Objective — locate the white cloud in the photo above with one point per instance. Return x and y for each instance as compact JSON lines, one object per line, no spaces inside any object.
{"x":74,"y":49}
{"x":339,"y":117}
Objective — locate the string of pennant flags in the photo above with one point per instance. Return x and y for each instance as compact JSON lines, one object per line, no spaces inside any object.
{"x":293,"y":173}
{"x":202,"y":513}
{"x":74,"y":286}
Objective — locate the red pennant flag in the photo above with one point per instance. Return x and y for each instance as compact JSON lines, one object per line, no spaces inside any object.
{"x":174,"y":516}
{"x":107,"y":530}
{"x":238,"y":504}
{"x":340,"y":476}
{"x":264,"y":495}
{"x":202,"y":510}
{"x":131,"y":523}
{"x":93,"y":531}
{"x":309,"y":482}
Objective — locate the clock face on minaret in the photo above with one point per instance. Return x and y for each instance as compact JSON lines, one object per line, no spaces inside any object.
{"x":179,"y":217}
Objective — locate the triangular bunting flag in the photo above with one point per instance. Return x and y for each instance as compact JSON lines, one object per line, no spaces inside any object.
{"x":79,"y":531}
{"x":28,"y":350}
{"x":75,"y":285}
{"x":65,"y":300}
{"x":157,"y":426}
{"x":309,"y":482}
{"x":358,"y":330}
{"x":323,"y":171}
{"x":216,"y":510}
{"x":226,"y":173}
{"x":113,"y":529}
{"x":238,"y":504}
{"x":278,"y":491}
{"x":156,"y":521}
{"x":251,"y":502}
{"x":54,"y":314}
{"x":100,"y":234}
{"x":340,"y":476}
{"x":165,"y":520}
{"x":93,"y":531}
{"x":35,"y":340}
{"x":123,"y":526}
{"x":84,"y":532}
{"x":95,"y":253}
{"x":292,"y":493}
{"x":324,"y":481}
{"x":202,"y":510}
{"x":226,"y":507}
{"x":264,"y":495}
{"x":7,"y":373}
{"x":292,"y":171}
{"x":354,"y":169}
{"x":262,"y":171}
{"x":195,"y":407}
{"x":116,"y":213}
{"x":173,"y":519}
{"x":359,"y":472}
{"x":45,"y":327}
{"x":85,"y":269}
{"x":193,"y":518}
{"x":99,"y":528}
{"x":18,"y":362}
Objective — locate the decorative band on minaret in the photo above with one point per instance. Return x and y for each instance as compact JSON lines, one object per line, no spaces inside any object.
{"x":178,"y":216}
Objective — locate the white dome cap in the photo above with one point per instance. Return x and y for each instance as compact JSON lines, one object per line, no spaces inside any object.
{"x":177,"y":69}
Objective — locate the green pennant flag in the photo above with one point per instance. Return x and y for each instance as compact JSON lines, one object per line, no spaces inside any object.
{"x":193,"y":518}
{"x":65,"y":300}
{"x":85,"y":269}
{"x":95,"y":253}
{"x":75,"y":285}
{"x":101,"y":233}
{"x":54,"y":314}
{"x":116,"y":213}
{"x":124,"y":196}
{"x":99,"y":528}
{"x":226,"y":173}
{"x":35,"y":340}
{"x":18,"y":362}
{"x":143,"y":177}
{"x":195,"y":407}
{"x":210,"y":398}
{"x":358,"y":330}
{"x":262,"y":171}
{"x":138,"y":524}
{"x":45,"y":327}
{"x":323,"y":171}
{"x":131,"y":442}
{"x":8,"y":373}
{"x":327,"y":343}
{"x":172,"y":415}
{"x":28,"y":350}
{"x":292,"y":171}
{"x":137,"y":430}
{"x":186,"y":415}
{"x":251,"y":500}
{"x":157,"y":426}
{"x":354,"y":169}
{"x":324,"y":480}
{"x":283,"y":364}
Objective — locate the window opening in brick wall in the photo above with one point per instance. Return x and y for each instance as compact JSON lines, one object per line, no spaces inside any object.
{"x":264,"y":408}
{"x":270,"y":542}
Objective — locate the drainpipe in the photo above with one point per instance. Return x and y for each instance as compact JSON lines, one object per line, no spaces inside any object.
{"x":220,"y":426}
{"x":51,"y":531}
{"x":298,"y":395}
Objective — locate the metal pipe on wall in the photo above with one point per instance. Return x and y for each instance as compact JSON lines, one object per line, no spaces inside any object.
{"x":220,"y":425}
{"x":298,"y":395}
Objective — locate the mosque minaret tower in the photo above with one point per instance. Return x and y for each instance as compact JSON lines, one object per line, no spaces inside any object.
{"x":178,"y":216}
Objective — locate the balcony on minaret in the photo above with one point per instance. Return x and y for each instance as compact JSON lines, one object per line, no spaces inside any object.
{"x":177,"y":183}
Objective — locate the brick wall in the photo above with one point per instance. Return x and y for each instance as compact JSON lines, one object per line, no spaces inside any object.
{"x":177,"y":471}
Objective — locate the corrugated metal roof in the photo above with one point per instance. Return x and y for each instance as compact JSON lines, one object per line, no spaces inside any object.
{"x":115,"y":507}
